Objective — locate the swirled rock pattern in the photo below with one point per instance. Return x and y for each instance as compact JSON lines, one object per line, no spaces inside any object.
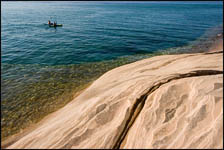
{"x":169,"y":101}
{"x":185,"y":113}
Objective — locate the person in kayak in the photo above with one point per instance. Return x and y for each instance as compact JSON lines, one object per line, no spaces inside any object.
{"x":49,"y":22}
{"x":55,"y":24}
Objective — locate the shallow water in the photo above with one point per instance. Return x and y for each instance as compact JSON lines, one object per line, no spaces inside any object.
{"x":43,"y":67}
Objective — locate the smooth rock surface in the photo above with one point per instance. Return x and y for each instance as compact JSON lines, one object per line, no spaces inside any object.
{"x":186,"y":113}
{"x":183,"y":108}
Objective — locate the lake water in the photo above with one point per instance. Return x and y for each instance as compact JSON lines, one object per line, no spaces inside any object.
{"x":43,"y":67}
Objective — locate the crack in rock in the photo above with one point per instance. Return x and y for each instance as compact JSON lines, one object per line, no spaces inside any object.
{"x":140,"y":102}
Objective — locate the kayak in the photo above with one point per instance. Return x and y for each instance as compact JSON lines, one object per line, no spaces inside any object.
{"x":58,"y":25}
{"x":52,"y":25}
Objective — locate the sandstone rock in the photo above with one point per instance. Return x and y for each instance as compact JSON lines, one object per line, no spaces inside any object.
{"x":185,"y":113}
{"x":169,"y":101}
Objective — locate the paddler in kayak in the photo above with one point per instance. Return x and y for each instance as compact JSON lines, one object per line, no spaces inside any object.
{"x":55,"y":24}
{"x":49,"y":22}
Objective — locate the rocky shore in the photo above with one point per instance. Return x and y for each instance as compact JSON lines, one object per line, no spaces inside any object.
{"x":168,"y":101}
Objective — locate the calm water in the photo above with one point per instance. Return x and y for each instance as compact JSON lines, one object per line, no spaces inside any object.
{"x":43,"y":67}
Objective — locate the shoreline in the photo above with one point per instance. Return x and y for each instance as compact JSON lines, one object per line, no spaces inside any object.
{"x":13,"y":138}
{"x":217,"y":45}
{"x":56,"y":123}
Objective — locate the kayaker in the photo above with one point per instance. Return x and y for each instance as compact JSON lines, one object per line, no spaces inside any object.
{"x":55,"y":24}
{"x":49,"y":22}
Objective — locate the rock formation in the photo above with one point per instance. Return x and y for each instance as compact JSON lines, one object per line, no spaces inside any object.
{"x":168,"y":101}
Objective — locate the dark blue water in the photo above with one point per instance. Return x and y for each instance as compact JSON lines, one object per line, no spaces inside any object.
{"x":43,"y":67}
{"x":96,"y":31}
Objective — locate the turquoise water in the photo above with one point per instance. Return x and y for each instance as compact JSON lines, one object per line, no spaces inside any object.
{"x":96,"y":31}
{"x":43,"y":67}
